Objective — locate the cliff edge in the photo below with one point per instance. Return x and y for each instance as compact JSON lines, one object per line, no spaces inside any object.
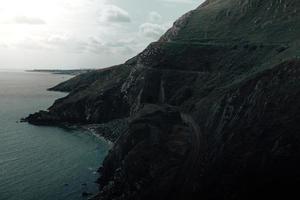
{"x":213,"y":107}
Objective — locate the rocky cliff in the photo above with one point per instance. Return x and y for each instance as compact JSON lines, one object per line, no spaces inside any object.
{"x":213,"y":107}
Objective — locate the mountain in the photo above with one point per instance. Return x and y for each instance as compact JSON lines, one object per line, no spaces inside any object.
{"x":213,"y":107}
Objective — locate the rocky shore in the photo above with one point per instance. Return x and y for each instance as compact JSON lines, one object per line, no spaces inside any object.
{"x":206,"y":117}
{"x":110,"y":131}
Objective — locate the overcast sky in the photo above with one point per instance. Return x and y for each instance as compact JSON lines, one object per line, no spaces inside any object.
{"x":82,"y":33}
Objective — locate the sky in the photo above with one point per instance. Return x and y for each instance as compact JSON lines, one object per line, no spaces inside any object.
{"x":64,"y":34}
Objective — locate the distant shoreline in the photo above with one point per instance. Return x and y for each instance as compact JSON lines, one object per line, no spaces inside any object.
{"x":72,"y":72}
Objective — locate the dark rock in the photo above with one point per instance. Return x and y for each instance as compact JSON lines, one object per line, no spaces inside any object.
{"x":42,"y":118}
{"x":111,"y":130}
{"x":86,"y":194}
{"x":153,"y":150}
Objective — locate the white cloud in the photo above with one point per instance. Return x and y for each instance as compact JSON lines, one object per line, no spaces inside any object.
{"x":112,"y":13}
{"x":96,"y":46}
{"x":151,"y":30}
{"x":28,"y":44}
{"x":28,"y":20}
{"x":154,"y":17}
{"x":81,"y":33}
{"x":56,"y":42}
{"x":180,"y":1}
{"x":66,"y":42}
{"x":119,"y":47}
{"x":3,"y":45}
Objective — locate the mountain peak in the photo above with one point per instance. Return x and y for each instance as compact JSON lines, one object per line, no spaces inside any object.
{"x":249,"y":20}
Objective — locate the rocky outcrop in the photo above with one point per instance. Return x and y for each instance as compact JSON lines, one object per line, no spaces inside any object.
{"x":95,"y":97}
{"x":213,"y":107}
{"x":151,"y":157}
{"x":111,"y":130}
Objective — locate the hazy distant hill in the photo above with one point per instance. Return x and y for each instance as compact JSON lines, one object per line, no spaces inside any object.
{"x":74,"y":72}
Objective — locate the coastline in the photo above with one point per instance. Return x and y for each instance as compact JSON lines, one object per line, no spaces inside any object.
{"x":37,"y":157}
{"x":107,"y":135}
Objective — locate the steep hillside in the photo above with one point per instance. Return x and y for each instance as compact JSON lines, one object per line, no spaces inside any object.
{"x":94,"y":97}
{"x":268,"y":21}
{"x":213,"y":107}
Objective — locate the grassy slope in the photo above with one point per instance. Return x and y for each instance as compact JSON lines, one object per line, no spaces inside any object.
{"x":257,"y":21}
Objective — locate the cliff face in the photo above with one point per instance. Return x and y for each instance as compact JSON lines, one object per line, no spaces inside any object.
{"x":213,"y":107}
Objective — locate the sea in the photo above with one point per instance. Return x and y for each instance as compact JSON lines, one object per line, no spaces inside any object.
{"x":42,"y":163}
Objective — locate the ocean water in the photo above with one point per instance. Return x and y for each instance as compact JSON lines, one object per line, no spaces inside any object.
{"x":42,"y":163}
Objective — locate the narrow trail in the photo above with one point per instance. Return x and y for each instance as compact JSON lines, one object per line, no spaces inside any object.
{"x":192,"y":166}
{"x":240,"y":44}
{"x":175,"y":70}
{"x":162,"y":92}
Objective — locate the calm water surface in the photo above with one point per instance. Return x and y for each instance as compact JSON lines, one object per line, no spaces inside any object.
{"x":42,"y":163}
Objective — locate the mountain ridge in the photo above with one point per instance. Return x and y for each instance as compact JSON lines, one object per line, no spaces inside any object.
{"x":213,"y":107}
